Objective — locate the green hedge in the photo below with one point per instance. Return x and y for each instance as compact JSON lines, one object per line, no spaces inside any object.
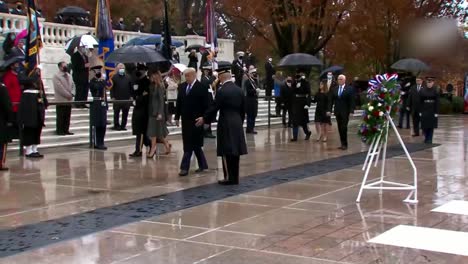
{"x":454,"y":107}
{"x":458,"y":104}
{"x":445,"y":106}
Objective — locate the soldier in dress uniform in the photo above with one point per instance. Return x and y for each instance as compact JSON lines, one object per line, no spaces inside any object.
{"x":238,"y":68}
{"x":229,"y":101}
{"x":99,"y":107}
{"x":6,"y":121}
{"x":301,"y":99}
{"x":31,"y":112}
{"x":251,"y":100}
{"x":140,"y":110}
{"x":208,"y":80}
{"x":429,"y":109}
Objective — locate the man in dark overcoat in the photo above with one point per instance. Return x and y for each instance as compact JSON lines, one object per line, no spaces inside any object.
{"x":251,"y":100}
{"x":301,"y":99}
{"x":229,"y":101}
{"x":269,"y":76}
{"x":414,"y":105}
{"x":342,"y":99}
{"x":6,"y":116}
{"x":238,"y":68}
{"x":193,"y":100}
{"x":140,"y":113}
{"x":99,"y":107}
{"x":80,"y":74}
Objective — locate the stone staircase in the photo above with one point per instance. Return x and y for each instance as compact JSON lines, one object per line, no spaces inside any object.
{"x":80,"y":126}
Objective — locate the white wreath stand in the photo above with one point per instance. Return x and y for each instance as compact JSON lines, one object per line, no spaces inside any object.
{"x":378,"y":145}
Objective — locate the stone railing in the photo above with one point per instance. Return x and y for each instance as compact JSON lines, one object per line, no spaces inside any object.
{"x":56,"y":35}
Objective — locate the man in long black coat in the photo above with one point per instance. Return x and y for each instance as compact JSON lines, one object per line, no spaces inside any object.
{"x":192,"y":101}
{"x":140,"y":113}
{"x":238,"y":68}
{"x":251,"y":100}
{"x":6,"y":115}
{"x":229,"y":101}
{"x":301,"y":99}
{"x":269,"y":79}
{"x":286,"y":94}
{"x":80,"y":74}
{"x":342,"y":98}
{"x":414,"y":105}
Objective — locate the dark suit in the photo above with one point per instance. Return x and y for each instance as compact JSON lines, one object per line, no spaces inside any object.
{"x":80,"y":74}
{"x":192,"y":104}
{"x":269,"y":82}
{"x":237,"y":69}
{"x":344,"y":104}
{"x":121,"y":90}
{"x":414,"y":104}
{"x":286,"y":97}
{"x":229,"y":101}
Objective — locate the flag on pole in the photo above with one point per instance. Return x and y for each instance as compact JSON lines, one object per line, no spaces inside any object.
{"x":210,"y":30}
{"x":33,"y":39}
{"x":167,"y":40}
{"x":105,"y":36}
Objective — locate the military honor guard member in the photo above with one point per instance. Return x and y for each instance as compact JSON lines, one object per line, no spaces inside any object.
{"x":99,"y":107}
{"x":429,"y":109}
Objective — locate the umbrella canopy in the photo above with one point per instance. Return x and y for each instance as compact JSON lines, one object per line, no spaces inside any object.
{"x":336,"y":69}
{"x":195,"y":47}
{"x":72,"y":11}
{"x":10,"y":60}
{"x":87,"y":41}
{"x":133,"y":54}
{"x":410,"y":65}
{"x":151,"y":41}
{"x":180,"y":67}
{"x":22,"y":35}
{"x":299,"y":60}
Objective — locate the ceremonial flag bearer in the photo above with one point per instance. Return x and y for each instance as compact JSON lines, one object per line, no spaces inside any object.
{"x":229,"y":101}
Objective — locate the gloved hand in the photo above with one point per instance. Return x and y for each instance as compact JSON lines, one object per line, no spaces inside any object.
{"x":306,"y":107}
{"x":436,"y":115}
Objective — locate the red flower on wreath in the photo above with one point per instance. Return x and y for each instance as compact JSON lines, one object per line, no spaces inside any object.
{"x":382,"y":95}
{"x":376,"y":113}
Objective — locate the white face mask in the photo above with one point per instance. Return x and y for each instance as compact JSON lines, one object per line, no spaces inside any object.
{"x":329,"y":77}
{"x":121,"y":71}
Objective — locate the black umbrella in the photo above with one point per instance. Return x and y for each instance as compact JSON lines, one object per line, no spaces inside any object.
{"x":336,"y":69}
{"x":195,"y":47}
{"x":132,"y":54}
{"x":72,"y":11}
{"x":299,"y":60}
{"x":86,"y":40}
{"x":11,"y":60}
{"x":410,"y":65}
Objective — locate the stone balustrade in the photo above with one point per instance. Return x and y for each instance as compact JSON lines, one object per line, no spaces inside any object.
{"x":54,"y":37}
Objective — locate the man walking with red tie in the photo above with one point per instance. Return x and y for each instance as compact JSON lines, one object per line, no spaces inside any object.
{"x":342,"y":98}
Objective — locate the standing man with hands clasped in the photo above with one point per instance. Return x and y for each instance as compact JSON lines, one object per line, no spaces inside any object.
{"x":342,"y":98}
{"x":229,"y":101}
{"x":64,"y":89}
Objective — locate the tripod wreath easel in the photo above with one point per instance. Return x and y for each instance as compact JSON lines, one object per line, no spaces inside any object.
{"x":383,"y":94}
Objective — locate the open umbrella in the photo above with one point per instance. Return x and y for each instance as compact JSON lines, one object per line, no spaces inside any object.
{"x":151,"y":41}
{"x":336,"y":69}
{"x":72,"y":11}
{"x":195,"y":47}
{"x":299,"y":60}
{"x":10,"y":60}
{"x":133,"y":54}
{"x":410,"y":65}
{"x":180,"y":67}
{"x":87,"y":41}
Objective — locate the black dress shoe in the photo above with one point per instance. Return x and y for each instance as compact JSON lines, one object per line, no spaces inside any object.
{"x":293,"y":139}
{"x":4,"y":168}
{"x":100,"y":147}
{"x":308,"y":135}
{"x":343,"y":148}
{"x":123,"y":129}
{"x":69,"y":133}
{"x":210,"y":136}
{"x":135,"y":154}
{"x":183,"y":173}
{"x":226,"y":182}
{"x":35,"y":155}
{"x":200,"y":170}
{"x":115,"y":128}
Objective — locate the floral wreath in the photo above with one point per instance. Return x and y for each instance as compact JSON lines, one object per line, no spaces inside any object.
{"x":383,"y":94}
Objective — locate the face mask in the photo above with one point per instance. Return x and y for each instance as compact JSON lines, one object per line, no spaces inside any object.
{"x":65,"y":69}
{"x":98,"y":75}
{"x":241,"y":58}
{"x":24,"y":47}
{"x":19,"y":7}
{"x":270,"y":59}
{"x":17,"y":69}
{"x":303,"y":77}
{"x":121,"y":71}
{"x":329,"y":77}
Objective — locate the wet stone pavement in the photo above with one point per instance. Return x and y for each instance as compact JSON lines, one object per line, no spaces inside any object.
{"x":296,"y":204}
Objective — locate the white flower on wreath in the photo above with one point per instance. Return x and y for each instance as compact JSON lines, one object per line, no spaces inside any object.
{"x":384,"y":90}
{"x":380,"y":113}
{"x":379,"y":105}
{"x":371,"y":108}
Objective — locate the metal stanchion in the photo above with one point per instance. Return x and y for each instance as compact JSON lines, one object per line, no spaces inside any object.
{"x":269,"y":111}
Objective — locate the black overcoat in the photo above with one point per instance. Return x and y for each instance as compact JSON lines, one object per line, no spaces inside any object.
{"x":229,"y":101}
{"x":6,"y":114}
{"x":189,"y":107}
{"x":251,"y":98}
{"x":140,"y":110}
{"x":300,"y":98}
{"x":429,"y":107}
{"x":31,"y":110}
{"x":99,"y":105}
{"x":414,"y":100}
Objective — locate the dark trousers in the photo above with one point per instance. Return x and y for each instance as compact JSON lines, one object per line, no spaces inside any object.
{"x":278,"y":106}
{"x":404,"y":113}
{"x":63,"y":119}
{"x":286,"y":110}
{"x":100,"y":133}
{"x":82,"y":90}
{"x":117,"y":109}
{"x":3,"y":153}
{"x":416,"y":123}
{"x":31,"y":136}
{"x":428,"y":134}
{"x":140,"y":141}
{"x":208,"y":130}
{"x":343,"y":121}
{"x":202,"y":163}
{"x":250,"y":123}
{"x":296,"y":130}
{"x":231,"y":168}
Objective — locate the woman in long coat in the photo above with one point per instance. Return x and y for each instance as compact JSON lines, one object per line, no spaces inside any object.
{"x":193,"y":60}
{"x":300,"y":107}
{"x":157,"y":128}
{"x":429,"y":102}
{"x":140,"y":111}
{"x":322,"y":120}
{"x":6,"y":115}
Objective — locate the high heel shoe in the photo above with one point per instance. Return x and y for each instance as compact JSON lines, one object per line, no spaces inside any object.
{"x":149,"y":156}
{"x":168,"y":149}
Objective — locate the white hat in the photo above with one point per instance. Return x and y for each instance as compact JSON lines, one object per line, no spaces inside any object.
{"x":240,"y":53}
{"x":207,"y":45}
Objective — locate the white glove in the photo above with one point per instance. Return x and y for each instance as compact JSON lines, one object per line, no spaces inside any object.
{"x":420,"y":114}
{"x":134,"y":103}
{"x":306,"y":107}
{"x":436,"y":115}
